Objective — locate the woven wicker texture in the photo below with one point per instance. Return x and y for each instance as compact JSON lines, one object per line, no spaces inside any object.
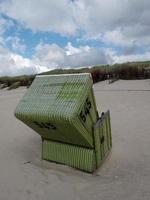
{"x":102,"y":138}
{"x":74,"y":156}
{"x":79,"y":157}
{"x":60,"y":108}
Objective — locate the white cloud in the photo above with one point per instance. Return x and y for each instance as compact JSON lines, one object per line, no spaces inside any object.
{"x":14,"y":64}
{"x":42,"y":15}
{"x":130,"y":58}
{"x":70,"y":50}
{"x":118,"y":24}
{"x":117,"y":38}
{"x":122,"y":58}
{"x":70,"y":56}
{"x":48,"y":57}
{"x":127,"y":21}
{"x":16,"y":44}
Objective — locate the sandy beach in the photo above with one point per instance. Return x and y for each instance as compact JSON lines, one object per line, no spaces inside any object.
{"x":125,"y":175}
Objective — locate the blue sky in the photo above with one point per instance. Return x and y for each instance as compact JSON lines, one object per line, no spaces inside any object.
{"x":37,"y":36}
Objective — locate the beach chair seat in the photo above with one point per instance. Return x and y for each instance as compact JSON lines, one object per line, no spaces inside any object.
{"x":62,"y":110}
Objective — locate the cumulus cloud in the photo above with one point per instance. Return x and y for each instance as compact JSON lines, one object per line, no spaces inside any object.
{"x":16,"y":43}
{"x":42,"y":15}
{"x":122,"y":25}
{"x":127,"y":20}
{"x":97,"y":16}
{"x":14,"y":64}
{"x":70,"y":50}
{"x":134,"y":57}
{"x":51,"y":55}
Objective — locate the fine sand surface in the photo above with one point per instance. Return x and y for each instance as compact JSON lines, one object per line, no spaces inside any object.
{"x":125,"y":175}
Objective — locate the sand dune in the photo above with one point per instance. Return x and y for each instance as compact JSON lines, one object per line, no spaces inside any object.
{"x":125,"y":175}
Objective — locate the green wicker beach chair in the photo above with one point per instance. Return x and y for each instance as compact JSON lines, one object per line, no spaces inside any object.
{"x":62,"y":110}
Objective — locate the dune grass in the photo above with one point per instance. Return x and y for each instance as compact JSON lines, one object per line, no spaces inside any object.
{"x":132,"y":70}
